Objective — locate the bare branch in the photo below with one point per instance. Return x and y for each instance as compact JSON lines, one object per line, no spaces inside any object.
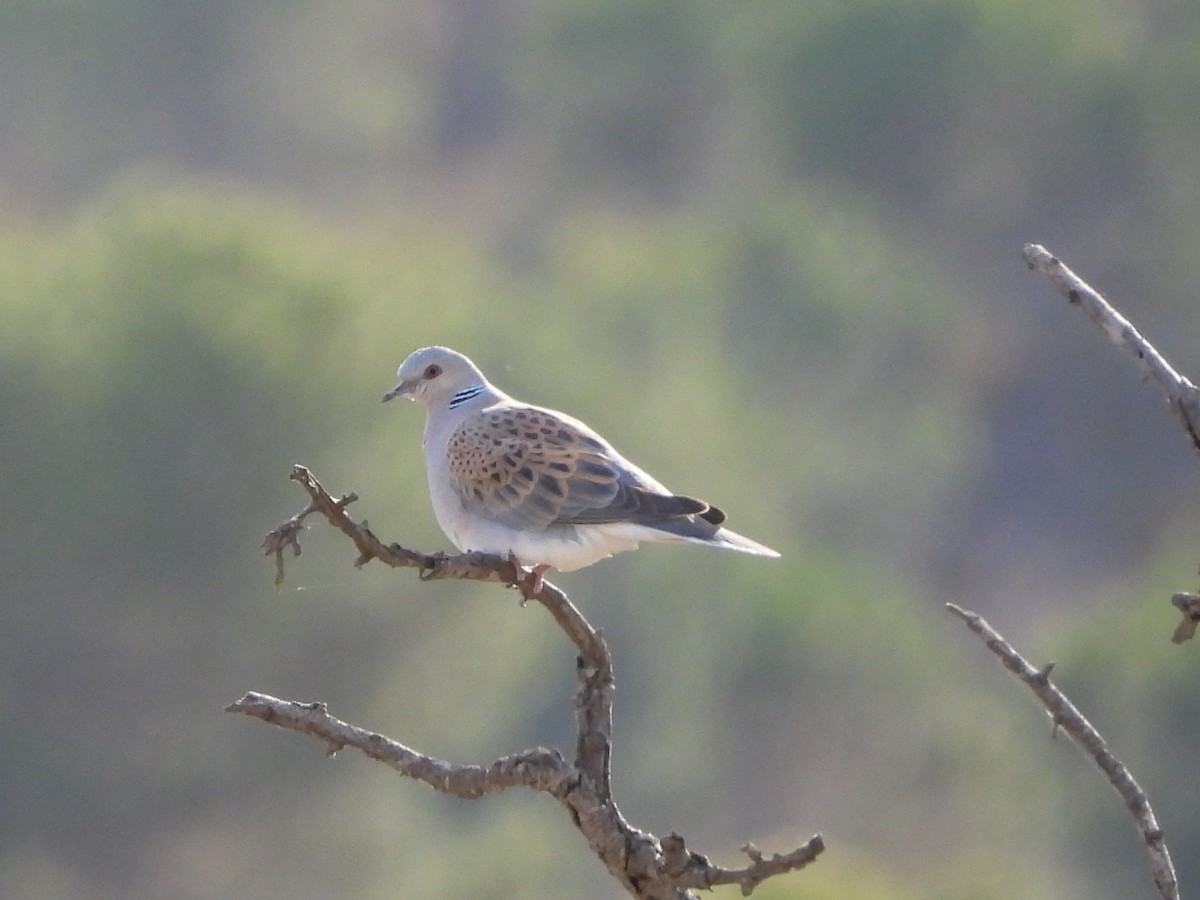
{"x":646,"y":867}
{"x":1182,"y":395}
{"x":1066,"y":716}
{"x":694,"y":870}
{"x":539,"y":768}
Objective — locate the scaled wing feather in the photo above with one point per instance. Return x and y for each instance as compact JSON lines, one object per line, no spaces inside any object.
{"x":527,"y":468}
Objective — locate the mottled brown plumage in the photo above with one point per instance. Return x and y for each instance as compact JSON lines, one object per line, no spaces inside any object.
{"x":528,"y":468}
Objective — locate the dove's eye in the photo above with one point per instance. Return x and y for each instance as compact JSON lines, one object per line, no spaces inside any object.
{"x":431,"y":372}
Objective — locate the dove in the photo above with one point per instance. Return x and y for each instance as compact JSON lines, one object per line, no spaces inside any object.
{"x":536,"y":485}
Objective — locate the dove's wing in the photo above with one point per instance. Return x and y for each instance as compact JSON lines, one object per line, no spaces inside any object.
{"x":529,"y":468}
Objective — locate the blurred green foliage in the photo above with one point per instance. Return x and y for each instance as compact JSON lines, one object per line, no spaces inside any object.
{"x":771,"y":252}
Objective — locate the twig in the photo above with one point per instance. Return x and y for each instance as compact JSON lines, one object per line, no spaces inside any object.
{"x":1183,"y":397}
{"x":1066,"y":716}
{"x":694,"y":870}
{"x":646,"y":867}
{"x":539,"y":768}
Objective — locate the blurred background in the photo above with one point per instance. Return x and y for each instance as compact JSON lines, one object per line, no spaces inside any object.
{"x":772,"y":251}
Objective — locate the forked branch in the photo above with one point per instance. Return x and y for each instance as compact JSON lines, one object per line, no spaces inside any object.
{"x":645,"y":866}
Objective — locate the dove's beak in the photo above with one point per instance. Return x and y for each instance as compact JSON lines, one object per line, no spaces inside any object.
{"x":404,"y":387}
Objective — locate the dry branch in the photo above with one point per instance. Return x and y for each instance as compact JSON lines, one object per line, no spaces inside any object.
{"x":1066,"y":716}
{"x":645,"y":866}
{"x":539,"y":768}
{"x":1183,"y":397}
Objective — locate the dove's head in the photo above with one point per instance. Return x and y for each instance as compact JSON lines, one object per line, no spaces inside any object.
{"x":434,"y":376}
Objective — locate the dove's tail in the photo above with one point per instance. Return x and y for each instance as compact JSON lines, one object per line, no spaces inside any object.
{"x":696,"y":530}
{"x":731,"y":540}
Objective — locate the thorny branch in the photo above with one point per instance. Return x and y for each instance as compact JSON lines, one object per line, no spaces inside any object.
{"x":646,"y":866}
{"x":1183,"y":397}
{"x":1066,"y":716}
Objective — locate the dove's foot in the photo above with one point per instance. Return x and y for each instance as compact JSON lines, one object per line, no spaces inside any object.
{"x":529,"y":581}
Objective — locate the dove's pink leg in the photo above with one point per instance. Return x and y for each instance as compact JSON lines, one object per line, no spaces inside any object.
{"x":530,"y":581}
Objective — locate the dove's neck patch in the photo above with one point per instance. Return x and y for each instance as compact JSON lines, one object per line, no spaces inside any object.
{"x":465,"y":394}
